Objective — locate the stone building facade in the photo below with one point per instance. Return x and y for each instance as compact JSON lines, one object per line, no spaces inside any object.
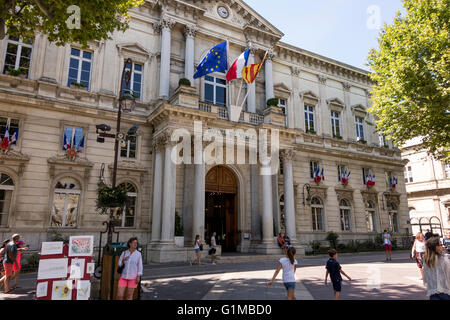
{"x":428,"y":188}
{"x":321,"y":118}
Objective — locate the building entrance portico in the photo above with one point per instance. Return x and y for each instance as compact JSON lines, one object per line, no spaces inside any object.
{"x":221,"y":208}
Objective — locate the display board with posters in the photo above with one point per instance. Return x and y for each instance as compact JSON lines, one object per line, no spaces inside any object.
{"x":65,"y":269}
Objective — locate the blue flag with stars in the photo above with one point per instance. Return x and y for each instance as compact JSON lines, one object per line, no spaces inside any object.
{"x":214,"y":61}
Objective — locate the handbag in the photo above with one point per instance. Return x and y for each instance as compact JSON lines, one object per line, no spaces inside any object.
{"x":120,"y":268}
{"x":201,"y":247}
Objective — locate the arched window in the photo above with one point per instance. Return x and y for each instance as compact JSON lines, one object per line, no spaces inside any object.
{"x":6,"y":192}
{"x":317,"y":214}
{"x":66,"y":198}
{"x":345,"y":209}
{"x":370,"y":216}
{"x":127,"y":217}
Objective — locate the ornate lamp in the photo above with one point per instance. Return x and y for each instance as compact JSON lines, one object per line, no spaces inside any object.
{"x":127,"y":102}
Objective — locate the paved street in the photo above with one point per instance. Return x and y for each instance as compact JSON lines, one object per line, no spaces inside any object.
{"x":372,"y":279}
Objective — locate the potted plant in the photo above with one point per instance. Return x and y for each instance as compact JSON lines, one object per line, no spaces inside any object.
{"x":16,"y":72}
{"x":184,"y":82}
{"x":311,"y":131}
{"x":273,"y":102}
{"x":77,"y":85}
{"x":332,"y":237}
{"x":363,"y":141}
{"x":109,"y":197}
{"x":337,"y":136}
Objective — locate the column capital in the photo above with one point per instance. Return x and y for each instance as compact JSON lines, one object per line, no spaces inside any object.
{"x":287,"y":155}
{"x":190,"y":30}
{"x":270,"y":55}
{"x":295,"y":71}
{"x":165,"y":23}
{"x":347,"y":86}
{"x":322,"y":79}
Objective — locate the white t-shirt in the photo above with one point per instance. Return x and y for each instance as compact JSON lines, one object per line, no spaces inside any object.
{"x":288,"y":270}
{"x":197,"y":244}
{"x":420,"y":246}
{"x":213,"y":242}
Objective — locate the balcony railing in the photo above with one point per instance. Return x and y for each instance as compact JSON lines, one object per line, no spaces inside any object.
{"x":222,"y":112}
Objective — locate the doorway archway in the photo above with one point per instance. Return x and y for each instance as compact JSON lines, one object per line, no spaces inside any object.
{"x":221,"y":207}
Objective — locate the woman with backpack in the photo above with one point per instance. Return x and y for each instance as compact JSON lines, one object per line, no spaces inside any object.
{"x":289,"y":266}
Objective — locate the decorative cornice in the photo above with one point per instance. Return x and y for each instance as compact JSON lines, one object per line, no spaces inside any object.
{"x":128,"y":165}
{"x":14,"y":156}
{"x":64,"y":161}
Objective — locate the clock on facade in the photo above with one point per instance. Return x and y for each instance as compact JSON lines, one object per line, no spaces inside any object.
{"x":223,"y":12}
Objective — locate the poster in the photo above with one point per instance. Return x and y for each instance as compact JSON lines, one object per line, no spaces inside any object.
{"x":52,"y":268}
{"x":52,"y":248}
{"x":90,"y":268}
{"x":81,"y":246}
{"x":83,"y":289}
{"x":77,"y":268}
{"x":62,"y":290}
{"x":42,"y":289}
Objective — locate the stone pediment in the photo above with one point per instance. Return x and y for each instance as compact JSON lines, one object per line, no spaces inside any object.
{"x":359,"y":109}
{"x":63,"y":160}
{"x":282,"y":87}
{"x":129,"y":166}
{"x":12,"y":155}
{"x":239,"y":13}
{"x":133,"y":49}
{"x":336,"y":102}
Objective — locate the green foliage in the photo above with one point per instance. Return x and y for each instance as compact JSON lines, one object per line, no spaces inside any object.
{"x":179,"y":231}
{"x":98,"y":19}
{"x":310,"y":131}
{"x":411,"y":69}
{"x":33,"y":261}
{"x":77,"y":84}
{"x":338,"y":137}
{"x":332,"y":237}
{"x":184,"y":82}
{"x":15,"y":72}
{"x":58,"y":237}
{"x":272,"y":102}
{"x":108,"y":197}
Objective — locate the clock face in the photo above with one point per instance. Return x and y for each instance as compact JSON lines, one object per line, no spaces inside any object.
{"x":223,"y":12}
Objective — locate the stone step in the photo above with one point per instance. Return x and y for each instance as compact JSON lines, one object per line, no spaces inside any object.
{"x":248,"y":258}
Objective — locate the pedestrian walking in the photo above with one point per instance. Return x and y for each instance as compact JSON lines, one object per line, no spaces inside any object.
{"x":436,"y":270}
{"x":428,"y":234}
{"x":334,"y":269}
{"x":212,"y":251}
{"x":418,"y":251}
{"x":130,"y":262}
{"x":198,"y":247}
{"x":2,"y":268}
{"x":18,"y":268}
{"x":10,"y":260}
{"x":289,"y":266}
{"x":387,"y":241}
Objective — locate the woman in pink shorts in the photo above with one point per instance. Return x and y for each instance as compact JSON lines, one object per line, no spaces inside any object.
{"x":132,"y":272}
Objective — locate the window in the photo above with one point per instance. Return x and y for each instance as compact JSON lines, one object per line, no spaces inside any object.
{"x":317,"y":214}
{"x":359,"y":128}
{"x":341,"y":172}
{"x":335,"y":124}
{"x":79,"y":67}
{"x":446,"y":169}
{"x":344,"y":208}
{"x":216,"y":91}
{"x":313,"y":167}
{"x":366,"y":173}
{"x":18,"y":55}
{"x":73,"y":137}
{"x":13,"y":129}
{"x":382,"y":140}
{"x":370,"y":217}
{"x":129,"y":151}
{"x":135,"y":80}
{"x":393,"y":216}
{"x":309,"y":119}
{"x":283,"y":104}
{"x":6,"y":192}
{"x":128,"y":214}
{"x":66,"y":199}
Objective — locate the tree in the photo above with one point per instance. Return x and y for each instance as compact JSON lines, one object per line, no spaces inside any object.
{"x":411,"y":96}
{"x":65,"y":21}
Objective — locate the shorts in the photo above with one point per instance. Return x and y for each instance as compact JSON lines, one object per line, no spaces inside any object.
{"x":8,"y":269}
{"x":197,"y":250}
{"x":419,"y":259}
{"x":125,"y":283}
{"x":212,"y":251}
{"x":289,"y":285}
{"x":337,"y":286}
{"x":440,"y":296}
{"x":388,"y":247}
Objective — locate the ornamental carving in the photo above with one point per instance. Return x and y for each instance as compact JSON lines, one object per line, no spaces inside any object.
{"x":322,"y":79}
{"x":318,"y":191}
{"x":270,"y":55}
{"x":295,"y":71}
{"x":370,"y":195}
{"x":287,"y":155}
{"x":190,"y":31}
{"x":392,"y":198}
{"x":344,"y":194}
{"x":347,"y":86}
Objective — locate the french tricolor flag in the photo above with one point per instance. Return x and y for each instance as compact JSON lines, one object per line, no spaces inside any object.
{"x":235,"y":71}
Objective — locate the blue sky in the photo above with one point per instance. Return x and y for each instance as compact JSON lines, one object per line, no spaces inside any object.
{"x":343,"y":30}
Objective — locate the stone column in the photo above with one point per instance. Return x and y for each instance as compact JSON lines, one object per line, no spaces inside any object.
{"x":267,"y":203}
{"x":347,"y":116}
{"x":198,"y":225}
{"x":296,"y":111}
{"x":324,"y":112}
{"x":189,"y":32}
{"x":157,"y":192}
{"x":269,"y":76}
{"x":168,"y":196}
{"x":251,"y":100}
{"x":289,"y":203}
{"x":165,"y":27}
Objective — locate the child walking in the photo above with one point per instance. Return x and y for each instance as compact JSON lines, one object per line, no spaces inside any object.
{"x":334,"y":269}
{"x":289,"y":266}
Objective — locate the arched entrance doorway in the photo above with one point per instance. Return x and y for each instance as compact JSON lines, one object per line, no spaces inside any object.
{"x":221,"y":209}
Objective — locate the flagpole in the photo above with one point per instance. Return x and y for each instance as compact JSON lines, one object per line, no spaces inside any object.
{"x":248,"y":91}
{"x":239,"y":94}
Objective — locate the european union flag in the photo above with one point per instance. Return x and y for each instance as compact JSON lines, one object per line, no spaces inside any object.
{"x":215,"y":60}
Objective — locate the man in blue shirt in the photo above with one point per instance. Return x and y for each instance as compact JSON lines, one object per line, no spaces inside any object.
{"x":334,"y":269}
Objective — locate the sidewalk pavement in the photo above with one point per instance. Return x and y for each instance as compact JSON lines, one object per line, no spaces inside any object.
{"x":213,"y":282}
